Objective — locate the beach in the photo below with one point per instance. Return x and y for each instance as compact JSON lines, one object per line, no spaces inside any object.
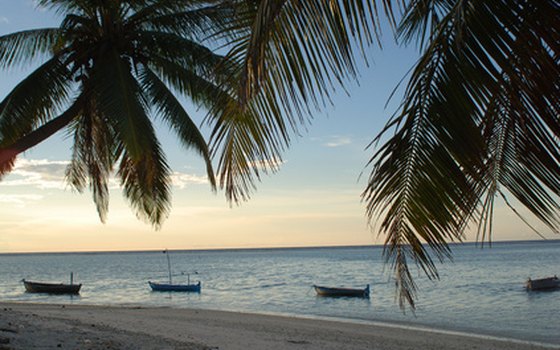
{"x":59,"y":326}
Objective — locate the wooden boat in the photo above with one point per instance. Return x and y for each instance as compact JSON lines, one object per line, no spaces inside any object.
{"x":51,"y":288}
{"x":543,"y":283}
{"x":166,"y":287}
{"x":171,"y":287}
{"x":342,"y":292}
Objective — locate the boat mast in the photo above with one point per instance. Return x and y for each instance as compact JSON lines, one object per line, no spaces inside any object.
{"x":168,"y":266}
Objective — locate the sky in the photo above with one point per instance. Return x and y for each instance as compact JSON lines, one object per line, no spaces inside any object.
{"x":314,"y":200}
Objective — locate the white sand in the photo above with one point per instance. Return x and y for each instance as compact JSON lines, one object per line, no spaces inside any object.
{"x":42,"y":326}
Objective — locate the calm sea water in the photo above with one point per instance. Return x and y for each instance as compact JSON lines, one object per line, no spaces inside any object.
{"x":481,"y":292}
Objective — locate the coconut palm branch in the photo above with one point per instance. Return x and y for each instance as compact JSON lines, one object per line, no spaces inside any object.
{"x":479,"y":119}
{"x":112,"y":68}
{"x":291,"y":55}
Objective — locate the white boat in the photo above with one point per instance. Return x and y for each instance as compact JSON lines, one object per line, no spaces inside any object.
{"x":543,"y":283}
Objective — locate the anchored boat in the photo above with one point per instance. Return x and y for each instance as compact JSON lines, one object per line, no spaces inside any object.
{"x":543,"y":283}
{"x":52,"y":288}
{"x":171,"y":287}
{"x":166,"y":287}
{"x":342,"y":292}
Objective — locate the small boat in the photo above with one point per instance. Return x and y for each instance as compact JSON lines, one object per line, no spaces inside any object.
{"x":51,"y":288}
{"x":543,"y":283}
{"x":171,"y":287}
{"x":342,"y":292}
{"x":166,"y":287}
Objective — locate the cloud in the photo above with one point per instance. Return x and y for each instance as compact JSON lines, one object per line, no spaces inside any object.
{"x":267,"y":164}
{"x":39,"y":173}
{"x":4,"y":20}
{"x":337,"y":141}
{"x":49,"y":174}
{"x":181,"y":180}
{"x":19,"y":200}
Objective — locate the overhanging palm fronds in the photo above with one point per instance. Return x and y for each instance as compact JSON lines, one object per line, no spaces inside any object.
{"x":479,"y":117}
{"x":290,"y":55}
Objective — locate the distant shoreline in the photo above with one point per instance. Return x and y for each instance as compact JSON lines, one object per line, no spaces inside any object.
{"x":27,"y":325}
{"x":252,"y":249}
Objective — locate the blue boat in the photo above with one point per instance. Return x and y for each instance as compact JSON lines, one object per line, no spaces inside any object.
{"x":171,"y":287}
{"x":166,"y":287}
{"x":342,"y":292}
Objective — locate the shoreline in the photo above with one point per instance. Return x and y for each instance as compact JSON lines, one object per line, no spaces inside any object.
{"x":26,"y":325}
{"x":409,"y":326}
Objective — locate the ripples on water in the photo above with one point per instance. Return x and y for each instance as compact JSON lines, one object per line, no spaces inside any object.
{"x":482,"y":291}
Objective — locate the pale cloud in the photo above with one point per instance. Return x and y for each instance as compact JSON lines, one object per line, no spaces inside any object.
{"x":199,"y":211}
{"x":38,"y":173}
{"x":49,"y":174}
{"x":337,"y":141}
{"x":4,"y":20}
{"x":19,"y":200}
{"x":181,"y":180}
{"x":267,"y":164}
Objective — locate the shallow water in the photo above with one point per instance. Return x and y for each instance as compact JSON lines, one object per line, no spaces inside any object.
{"x":481,"y":292}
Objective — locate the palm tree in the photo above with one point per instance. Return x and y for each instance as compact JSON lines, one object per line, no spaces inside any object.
{"x":479,"y":118}
{"x":109,"y":69}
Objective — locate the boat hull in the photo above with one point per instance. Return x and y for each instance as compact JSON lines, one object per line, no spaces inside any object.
{"x":51,"y":288}
{"x":164,"y":287}
{"x":547,"y":283}
{"x":342,"y":292}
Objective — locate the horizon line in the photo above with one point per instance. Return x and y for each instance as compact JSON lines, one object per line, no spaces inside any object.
{"x":373,"y":245}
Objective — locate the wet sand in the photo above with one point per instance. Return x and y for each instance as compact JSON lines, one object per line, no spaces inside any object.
{"x":47,"y":326}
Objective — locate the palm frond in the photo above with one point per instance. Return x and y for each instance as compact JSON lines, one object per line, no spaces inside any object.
{"x":158,"y":48}
{"x":478,"y":115}
{"x":94,"y":153}
{"x":202,"y":20}
{"x":33,"y":101}
{"x":178,"y":119}
{"x":246,"y":145}
{"x":288,"y":57}
{"x":27,"y":46}
{"x":303,"y":46}
{"x":9,"y":152}
{"x":147,"y":185}
{"x":143,"y":169}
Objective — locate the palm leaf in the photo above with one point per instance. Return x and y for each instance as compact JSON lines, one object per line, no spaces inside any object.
{"x":9,"y":153}
{"x":189,"y":20}
{"x":171,"y":111}
{"x":33,"y":101}
{"x":478,"y":116}
{"x":95,"y":151}
{"x":143,"y":169}
{"x":27,"y":46}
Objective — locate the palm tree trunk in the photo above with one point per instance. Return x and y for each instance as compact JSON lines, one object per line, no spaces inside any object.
{"x":8,"y":154}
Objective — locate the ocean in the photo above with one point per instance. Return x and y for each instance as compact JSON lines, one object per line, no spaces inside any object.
{"x":481,"y":291}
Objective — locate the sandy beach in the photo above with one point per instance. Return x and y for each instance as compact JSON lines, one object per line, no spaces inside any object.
{"x":46,"y":326}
